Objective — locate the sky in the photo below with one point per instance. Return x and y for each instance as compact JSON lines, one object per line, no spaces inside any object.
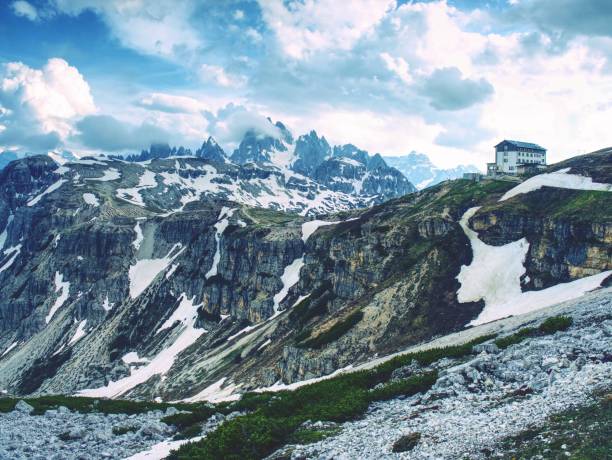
{"x":446,"y":78}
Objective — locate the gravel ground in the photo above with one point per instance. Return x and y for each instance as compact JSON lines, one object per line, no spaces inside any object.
{"x":498,"y":393}
{"x":64,"y":435}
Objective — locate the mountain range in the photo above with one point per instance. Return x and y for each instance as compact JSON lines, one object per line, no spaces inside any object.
{"x":419,"y":170}
{"x":204,"y":277}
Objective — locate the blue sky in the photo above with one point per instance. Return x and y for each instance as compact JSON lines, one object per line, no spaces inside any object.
{"x":447,"y":78}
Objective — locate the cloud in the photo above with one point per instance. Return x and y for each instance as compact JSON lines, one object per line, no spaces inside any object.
{"x":567,"y":17}
{"x":398,"y":66}
{"x":25,"y":9}
{"x":229,"y":125}
{"x":104,"y":132}
{"x":217,"y":74}
{"x":448,"y":90}
{"x":170,"y":103}
{"x":162,"y":27}
{"x":39,"y":106}
{"x":306,"y":27}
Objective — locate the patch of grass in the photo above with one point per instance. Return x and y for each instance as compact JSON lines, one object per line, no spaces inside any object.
{"x":189,"y":432}
{"x":555,"y":323}
{"x":334,"y":332}
{"x":87,"y":405}
{"x":548,"y":326}
{"x":311,"y":435}
{"x":412,"y":385}
{"x":185,"y":420}
{"x":517,"y":337}
{"x":275,"y":418}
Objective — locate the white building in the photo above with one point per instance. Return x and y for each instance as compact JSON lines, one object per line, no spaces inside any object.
{"x":514,"y":156}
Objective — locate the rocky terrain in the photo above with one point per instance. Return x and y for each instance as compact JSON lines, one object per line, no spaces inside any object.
{"x":496,"y":394}
{"x":172,"y":278}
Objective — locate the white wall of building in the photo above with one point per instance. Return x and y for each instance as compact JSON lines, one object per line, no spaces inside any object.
{"x":508,"y":160}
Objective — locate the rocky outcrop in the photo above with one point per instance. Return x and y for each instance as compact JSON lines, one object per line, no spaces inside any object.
{"x":169,"y":266}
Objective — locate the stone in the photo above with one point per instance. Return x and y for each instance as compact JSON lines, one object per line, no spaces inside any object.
{"x":23,"y":407}
{"x":406,"y":442}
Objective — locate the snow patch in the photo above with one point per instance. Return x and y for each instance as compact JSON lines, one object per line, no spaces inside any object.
{"x":91,"y":199}
{"x":495,"y":277}
{"x":8,"y":350}
{"x":132,"y":195}
{"x":79,"y":334}
{"x":53,"y":187}
{"x":63,"y":287}
{"x":108,"y":175}
{"x":162,"y":449}
{"x":186,"y":313}
{"x":220,"y":226}
{"x":214,"y":393}
{"x":159,"y":365}
{"x":144,"y":271}
{"x":290,"y":277}
{"x":15,"y":251}
{"x":558,"y":179}
{"x":139,"y":236}
{"x":132,"y":358}
{"x":495,"y":272}
{"x":106,"y":305}
{"x":4,"y":234}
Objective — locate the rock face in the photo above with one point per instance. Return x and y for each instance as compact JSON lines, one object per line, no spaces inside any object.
{"x":161,"y":279}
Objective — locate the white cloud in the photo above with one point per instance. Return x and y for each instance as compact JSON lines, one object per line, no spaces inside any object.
{"x":25,"y":9}
{"x":305,"y":27}
{"x":398,"y":66}
{"x":238,"y":15}
{"x":217,"y":74}
{"x":170,"y":103}
{"x":162,"y":27}
{"x":229,"y":125}
{"x":41,"y":104}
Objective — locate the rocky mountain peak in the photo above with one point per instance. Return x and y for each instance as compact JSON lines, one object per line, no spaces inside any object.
{"x":211,"y":151}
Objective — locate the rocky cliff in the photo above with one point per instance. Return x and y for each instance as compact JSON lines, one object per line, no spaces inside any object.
{"x":172,"y":280}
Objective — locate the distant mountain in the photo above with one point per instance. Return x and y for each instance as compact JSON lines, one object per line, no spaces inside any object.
{"x":344,"y":168}
{"x":346,"y":176}
{"x":419,"y":169}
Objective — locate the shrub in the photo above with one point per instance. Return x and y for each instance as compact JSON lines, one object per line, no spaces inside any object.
{"x":189,"y":432}
{"x":277,"y":417}
{"x":555,"y":323}
{"x":311,"y":435}
{"x":517,"y":337}
{"x":406,"y":387}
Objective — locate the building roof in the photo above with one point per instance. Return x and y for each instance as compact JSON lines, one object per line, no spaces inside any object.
{"x":521,"y":144}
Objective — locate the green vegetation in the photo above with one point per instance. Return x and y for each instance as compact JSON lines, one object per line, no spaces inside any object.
{"x":576,"y":434}
{"x":549,"y":326}
{"x":517,"y":337}
{"x":555,"y":323}
{"x":266,"y":217}
{"x":334,"y":332}
{"x":310,"y":435}
{"x":463,"y":193}
{"x":86,"y":405}
{"x":275,"y":419}
{"x":409,"y":386}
